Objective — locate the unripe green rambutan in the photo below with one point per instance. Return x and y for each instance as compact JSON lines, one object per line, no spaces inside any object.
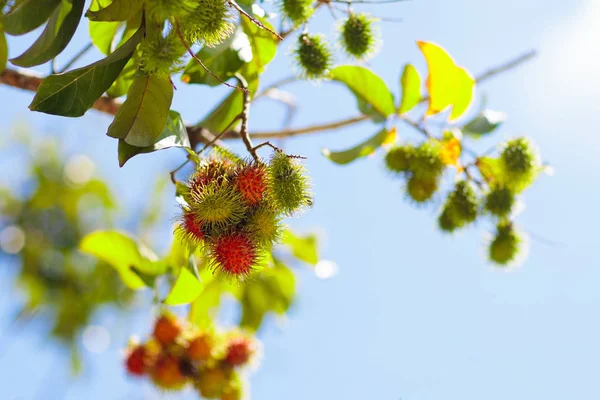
{"x":161,"y":10}
{"x":209,"y":24}
{"x":297,"y":11}
{"x":462,"y":202}
{"x":313,"y":56}
{"x":212,"y":382}
{"x":506,"y":245}
{"x":217,"y":205}
{"x":426,"y":161}
{"x":288,"y":183}
{"x":264,"y":225}
{"x":447,"y":221}
{"x":499,"y":201}
{"x":421,"y":190}
{"x":520,"y":163}
{"x":161,"y":55}
{"x":358,"y":36}
{"x":397,"y":159}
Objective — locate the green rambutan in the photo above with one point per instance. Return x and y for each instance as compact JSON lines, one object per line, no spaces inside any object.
{"x":500,"y":201}
{"x":447,"y":220}
{"x":397,"y":159}
{"x":506,"y":245}
{"x":212,"y":382}
{"x":264,"y":225}
{"x":251,"y":181}
{"x":358,"y":36}
{"x":209,"y":24}
{"x":288,"y":183}
{"x":421,"y":190}
{"x":463,"y":203}
{"x":234,"y":254}
{"x":297,"y":11}
{"x":520,"y":163}
{"x":313,"y":56}
{"x":426,"y":161}
{"x":161,"y":55}
{"x":217,"y":205}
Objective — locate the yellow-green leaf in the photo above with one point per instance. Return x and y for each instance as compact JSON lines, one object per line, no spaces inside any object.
{"x":411,"y":89}
{"x":186,"y":289}
{"x":3,"y":50}
{"x":366,"y":148}
{"x":303,"y":248}
{"x":118,"y":10}
{"x":448,"y":84}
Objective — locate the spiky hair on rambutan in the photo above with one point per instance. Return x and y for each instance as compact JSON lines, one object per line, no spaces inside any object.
{"x":288,"y":183}
{"x":209,"y":24}
{"x":313,"y":56}
{"x":217,"y":205}
{"x":250,"y":180}
{"x":190,"y":230}
{"x":161,"y":55}
{"x":297,"y":11}
{"x":234,"y":255}
{"x":264,"y":225}
{"x":212,"y":171}
{"x":358,"y":36}
{"x":426,"y":161}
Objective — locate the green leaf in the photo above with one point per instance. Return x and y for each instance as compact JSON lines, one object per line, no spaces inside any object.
{"x":411,"y":89}
{"x":174,"y":135}
{"x":73,"y":93}
{"x":263,"y":43}
{"x":186,"y":289}
{"x":363,"y":149}
{"x":3,"y":50}
{"x":123,"y":83}
{"x":56,"y":36}
{"x":118,"y":10}
{"x":303,"y":248}
{"x":486,"y":122}
{"x":369,"y":89}
{"x":28,"y":15}
{"x":223,"y":60}
{"x":118,"y":250}
{"x":204,"y":307}
{"x":143,"y":116}
{"x":103,"y":35}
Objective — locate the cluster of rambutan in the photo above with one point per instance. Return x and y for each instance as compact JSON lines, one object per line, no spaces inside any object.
{"x":177,"y":356}
{"x":515,"y":170}
{"x":233,"y":208}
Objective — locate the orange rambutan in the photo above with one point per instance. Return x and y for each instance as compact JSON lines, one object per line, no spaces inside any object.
{"x":214,"y":170}
{"x":234,"y":254}
{"x":136,"y":361}
{"x":166,"y":329}
{"x":166,"y":372}
{"x":251,"y":181}
{"x":200,"y":348}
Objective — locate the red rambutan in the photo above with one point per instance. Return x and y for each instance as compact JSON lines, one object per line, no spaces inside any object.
{"x":136,"y":361}
{"x":239,"y":351}
{"x":234,"y":254}
{"x":212,"y":171}
{"x":251,"y":182}
{"x":191,"y":229}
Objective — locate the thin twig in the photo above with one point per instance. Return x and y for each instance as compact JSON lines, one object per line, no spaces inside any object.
{"x":254,"y":20}
{"x":266,"y":144}
{"x":276,"y":85}
{"x":224,"y":131}
{"x":75,"y":58}
{"x":309,"y":129}
{"x":244,"y":117}
{"x":199,"y":61}
{"x":416,"y":125}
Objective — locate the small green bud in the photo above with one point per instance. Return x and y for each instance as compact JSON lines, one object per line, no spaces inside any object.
{"x":499,"y":201}
{"x":297,"y":11}
{"x":426,"y":161}
{"x":313,"y":56}
{"x":506,"y":244}
{"x":421,"y":190}
{"x":463,"y":202}
{"x":397,"y":158}
{"x":358,"y":36}
{"x":288,"y":183}
{"x":520,"y":163}
{"x":210,"y":23}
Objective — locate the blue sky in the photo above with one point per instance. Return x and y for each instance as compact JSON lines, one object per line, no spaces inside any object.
{"x":412,"y":314}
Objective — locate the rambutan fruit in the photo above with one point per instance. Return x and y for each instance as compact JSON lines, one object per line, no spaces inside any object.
{"x":264,"y":225}
{"x":232,"y":392}
{"x":426,"y":161}
{"x":251,"y":181}
{"x":397,"y":159}
{"x":190,"y":229}
{"x":136,"y":361}
{"x":421,"y":190}
{"x":212,"y":382}
{"x":288,"y":183}
{"x":213,"y":171}
{"x":447,"y":221}
{"x":505,"y":246}
{"x":239,"y":350}
{"x":313,"y":56}
{"x":297,"y":11}
{"x":218,"y":205}
{"x":463,"y":202}
{"x":209,"y":24}
{"x":200,"y":347}
{"x":161,"y":55}
{"x":166,"y":372}
{"x":500,"y":201}
{"x":234,"y":254}
{"x":166,"y":329}
{"x":358,"y":35}
{"x":520,"y":163}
